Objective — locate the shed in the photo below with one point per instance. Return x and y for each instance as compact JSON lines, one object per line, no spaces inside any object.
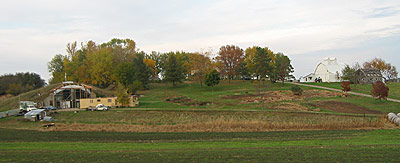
{"x":35,"y":115}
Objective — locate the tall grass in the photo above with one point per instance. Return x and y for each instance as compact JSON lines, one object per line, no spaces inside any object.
{"x":185,"y":121}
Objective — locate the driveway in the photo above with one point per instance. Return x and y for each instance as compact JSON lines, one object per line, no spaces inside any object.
{"x":338,"y":90}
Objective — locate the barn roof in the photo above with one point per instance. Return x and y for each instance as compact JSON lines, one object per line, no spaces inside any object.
{"x":333,"y":65}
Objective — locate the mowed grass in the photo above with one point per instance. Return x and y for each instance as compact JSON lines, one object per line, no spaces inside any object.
{"x":394,"y":88}
{"x":158,"y":93}
{"x":305,"y":146}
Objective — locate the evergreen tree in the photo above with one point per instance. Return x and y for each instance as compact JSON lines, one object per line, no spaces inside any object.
{"x":174,"y":72}
{"x":212,"y":79}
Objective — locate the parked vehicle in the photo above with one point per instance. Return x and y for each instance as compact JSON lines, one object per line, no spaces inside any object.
{"x":50,"y":108}
{"x":30,"y":107}
{"x":99,"y":107}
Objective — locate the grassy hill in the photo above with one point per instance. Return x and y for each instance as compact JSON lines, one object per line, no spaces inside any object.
{"x":239,"y":121}
{"x":394,"y":88}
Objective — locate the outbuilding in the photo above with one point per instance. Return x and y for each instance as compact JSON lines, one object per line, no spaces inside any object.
{"x":35,"y":115}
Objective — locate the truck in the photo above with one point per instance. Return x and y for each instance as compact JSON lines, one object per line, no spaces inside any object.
{"x":26,"y":106}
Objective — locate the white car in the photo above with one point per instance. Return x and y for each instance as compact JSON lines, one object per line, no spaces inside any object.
{"x":101,"y":107}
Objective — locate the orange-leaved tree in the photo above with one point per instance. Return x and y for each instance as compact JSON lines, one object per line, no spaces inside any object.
{"x":230,"y":57}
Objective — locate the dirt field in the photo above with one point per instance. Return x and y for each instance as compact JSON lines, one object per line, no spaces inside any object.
{"x":183,"y":100}
{"x":344,"y":107}
{"x":274,"y":96}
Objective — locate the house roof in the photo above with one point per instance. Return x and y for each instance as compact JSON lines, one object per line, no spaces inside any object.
{"x":371,"y":72}
{"x":333,"y":65}
{"x":34,"y":112}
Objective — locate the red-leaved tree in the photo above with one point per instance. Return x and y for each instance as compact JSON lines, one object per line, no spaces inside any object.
{"x":380,"y":90}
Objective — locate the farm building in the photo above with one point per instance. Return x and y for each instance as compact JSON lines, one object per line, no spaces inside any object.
{"x":107,"y":101}
{"x":329,"y":70}
{"x":69,"y":95}
{"x":35,"y":115}
{"x":368,"y":76}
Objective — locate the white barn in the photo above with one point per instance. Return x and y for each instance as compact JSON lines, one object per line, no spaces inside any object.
{"x":328,"y":70}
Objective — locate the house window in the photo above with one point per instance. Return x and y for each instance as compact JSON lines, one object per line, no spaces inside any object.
{"x":91,"y":101}
{"x":98,"y":100}
{"x":109,"y":100}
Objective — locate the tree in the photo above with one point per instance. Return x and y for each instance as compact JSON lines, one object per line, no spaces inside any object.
{"x":20,"y":82}
{"x":263,"y":63}
{"x":101,"y":65}
{"x":124,"y":73}
{"x":349,"y":73}
{"x":283,"y":68}
{"x":14,"y":89}
{"x":151,"y":65}
{"x":250,"y":54}
{"x":200,"y":65}
{"x":135,"y":86}
{"x":380,"y":90}
{"x":174,"y":71}
{"x":142,"y":72}
{"x":387,"y":70}
{"x":230,"y":57}
{"x":212,"y":78}
{"x":122,"y":95}
{"x":56,"y":68}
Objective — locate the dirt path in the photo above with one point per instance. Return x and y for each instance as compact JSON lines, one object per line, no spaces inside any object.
{"x":338,"y":90}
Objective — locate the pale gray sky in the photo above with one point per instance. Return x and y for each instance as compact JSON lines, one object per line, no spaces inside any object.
{"x":32,"y":32}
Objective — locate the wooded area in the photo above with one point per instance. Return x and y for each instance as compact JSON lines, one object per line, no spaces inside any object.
{"x":20,"y":82}
{"x":119,"y":61}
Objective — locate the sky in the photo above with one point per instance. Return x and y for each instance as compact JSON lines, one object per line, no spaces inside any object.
{"x":32,"y":32}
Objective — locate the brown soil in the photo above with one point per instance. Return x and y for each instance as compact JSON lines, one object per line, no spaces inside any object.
{"x":289,"y":107}
{"x":344,"y":107}
{"x":273,"y":96}
{"x":183,"y":100}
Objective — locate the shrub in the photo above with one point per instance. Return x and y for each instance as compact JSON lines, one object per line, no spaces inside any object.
{"x":380,"y":90}
{"x":346,"y":86}
{"x":297,"y":90}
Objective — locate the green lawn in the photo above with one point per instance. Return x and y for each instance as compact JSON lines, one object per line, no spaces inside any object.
{"x":394,"y":88}
{"x":305,"y":146}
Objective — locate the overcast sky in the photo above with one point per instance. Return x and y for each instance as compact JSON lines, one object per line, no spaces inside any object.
{"x":33,"y":31}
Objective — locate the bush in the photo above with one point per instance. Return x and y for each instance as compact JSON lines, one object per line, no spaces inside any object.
{"x":297,"y":90}
{"x":346,"y":86}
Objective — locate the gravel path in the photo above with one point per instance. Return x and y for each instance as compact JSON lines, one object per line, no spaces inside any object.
{"x":338,"y":90}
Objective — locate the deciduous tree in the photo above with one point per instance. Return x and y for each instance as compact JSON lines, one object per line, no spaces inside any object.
{"x":283,"y":67}
{"x":380,"y":90}
{"x":263,"y":64}
{"x":56,"y":68}
{"x":200,"y":65}
{"x":230,"y":56}
{"x":122,"y":95}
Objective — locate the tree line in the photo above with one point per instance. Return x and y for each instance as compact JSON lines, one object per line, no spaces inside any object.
{"x":119,"y":61}
{"x":20,"y":82}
